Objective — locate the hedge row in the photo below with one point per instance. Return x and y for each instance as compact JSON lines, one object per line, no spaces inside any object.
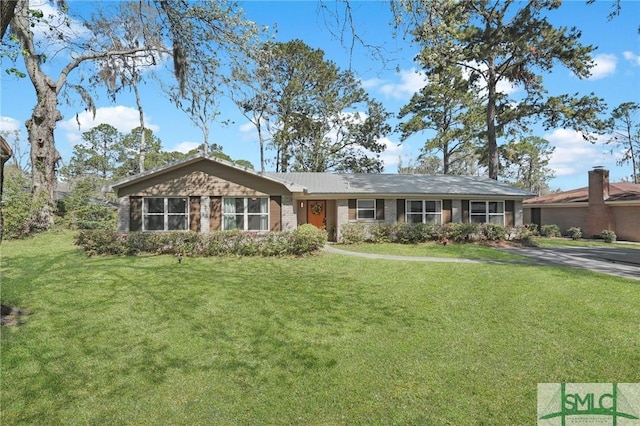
{"x":303,"y":240}
{"x":413,"y":233}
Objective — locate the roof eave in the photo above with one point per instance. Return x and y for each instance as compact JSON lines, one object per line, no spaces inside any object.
{"x":554,"y":205}
{"x":346,"y":195}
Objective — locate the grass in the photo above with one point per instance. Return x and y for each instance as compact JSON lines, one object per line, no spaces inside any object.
{"x":322,"y":340}
{"x":432,"y":249}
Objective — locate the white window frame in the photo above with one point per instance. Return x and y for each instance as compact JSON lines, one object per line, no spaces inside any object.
{"x":424,"y":213}
{"x":245,"y":214}
{"x":360,"y":209}
{"x":487,"y":215}
{"x":165,"y":213}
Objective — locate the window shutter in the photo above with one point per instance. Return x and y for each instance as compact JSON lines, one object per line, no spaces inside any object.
{"x":465,"y":211}
{"x":400,"y":209}
{"x":536,"y":217}
{"x":215,"y":221}
{"x":509,"y":212}
{"x":446,"y":211}
{"x":275,"y":213}
{"x":194,"y":214}
{"x":379,"y":209}
{"x":352,"y":209}
{"x":135,"y":214}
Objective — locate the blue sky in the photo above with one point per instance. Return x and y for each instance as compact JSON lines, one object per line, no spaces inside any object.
{"x":616,"y":79}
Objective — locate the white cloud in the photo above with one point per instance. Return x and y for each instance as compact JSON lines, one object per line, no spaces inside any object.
{"x":391,"y":155}
{"x":411,"y":81}
{"x":247,"y":127}
{"x":372,"y":82}
{"x":631,"y":57}
{"x":184,"y":147}
{"x":121,"y":117}
{"x":605,"y":65}
{"x":573,"y":155}
{"x":503,"y":86}
{"x":64,"y":28}
{"x":8,"y":124}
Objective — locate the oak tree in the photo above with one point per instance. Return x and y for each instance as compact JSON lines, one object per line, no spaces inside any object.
{"x":186,"y":31}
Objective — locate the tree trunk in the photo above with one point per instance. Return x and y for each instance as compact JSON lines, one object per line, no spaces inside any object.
{"x":634,"y":170}
{"x":3,"y":159}
{"x":44,"y":155}
{"x":42,"y":123}
{"x":446,"y":158}
{"x":492,"y":143}
{"x":261,"y":142}
{"x":205,"y":134}
{"x":6,"y":15}
{"x":143,"y":142}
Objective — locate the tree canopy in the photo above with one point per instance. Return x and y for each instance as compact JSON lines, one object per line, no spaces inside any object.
{"x":188,"y":33}
{"x":319,"y":117}
{"x":624,"y":126}
{"x":497,"y":41}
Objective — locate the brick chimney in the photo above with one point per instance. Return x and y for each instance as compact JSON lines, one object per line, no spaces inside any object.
{"x":598,"y":214}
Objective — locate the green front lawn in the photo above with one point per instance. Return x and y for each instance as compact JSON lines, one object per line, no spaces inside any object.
{"x":325,"y":340}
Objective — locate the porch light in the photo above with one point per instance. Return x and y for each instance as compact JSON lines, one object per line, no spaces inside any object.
{"x":301,"y":204}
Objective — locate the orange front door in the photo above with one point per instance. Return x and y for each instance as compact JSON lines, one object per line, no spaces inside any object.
{"x":316,"y":213}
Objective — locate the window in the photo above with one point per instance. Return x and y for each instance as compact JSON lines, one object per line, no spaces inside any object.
{"x":487,"y":212}
{"x":245,"y":214}
{"x":424,"y":211}
{"x":165,"y":214}
{"x":366,"y":209}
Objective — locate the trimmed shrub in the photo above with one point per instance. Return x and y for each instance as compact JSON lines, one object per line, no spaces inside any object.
{"x":608,"y":236}
{"x":575,"y":233}
{"x":353,"y":233}
{"x":522,"y":233}
{"x":459,"y":232}
{"x":532,"y":228}
{"x":96,"y":242}
{"x":411,"y":233}
{"x":551,"y":231}
{"x":493,"y":232}
{"x":306,"y":239}
{"x":382,"y":233}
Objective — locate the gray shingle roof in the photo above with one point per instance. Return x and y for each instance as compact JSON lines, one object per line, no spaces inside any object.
{"x":368,"y":183}
{"x":336,"y":184}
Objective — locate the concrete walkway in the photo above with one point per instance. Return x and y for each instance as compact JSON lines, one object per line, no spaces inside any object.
{"x":617,"y":261}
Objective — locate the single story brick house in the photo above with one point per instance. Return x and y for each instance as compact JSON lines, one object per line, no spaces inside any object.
{"x":206,"y":194}
{"x":599,"y":206}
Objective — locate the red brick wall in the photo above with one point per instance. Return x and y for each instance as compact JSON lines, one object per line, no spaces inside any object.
{"x":599,"y":217}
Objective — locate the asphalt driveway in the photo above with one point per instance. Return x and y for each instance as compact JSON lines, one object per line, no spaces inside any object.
{"x":618,"y":261}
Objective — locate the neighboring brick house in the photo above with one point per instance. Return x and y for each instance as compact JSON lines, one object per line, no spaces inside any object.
{"x":601,"y":205}
{"x":205,"y":194}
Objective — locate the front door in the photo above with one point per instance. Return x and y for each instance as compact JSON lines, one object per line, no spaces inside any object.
{"x":317,"y":213}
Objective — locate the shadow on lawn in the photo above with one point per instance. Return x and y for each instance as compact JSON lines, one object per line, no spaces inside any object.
{"x":147,"y":318}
